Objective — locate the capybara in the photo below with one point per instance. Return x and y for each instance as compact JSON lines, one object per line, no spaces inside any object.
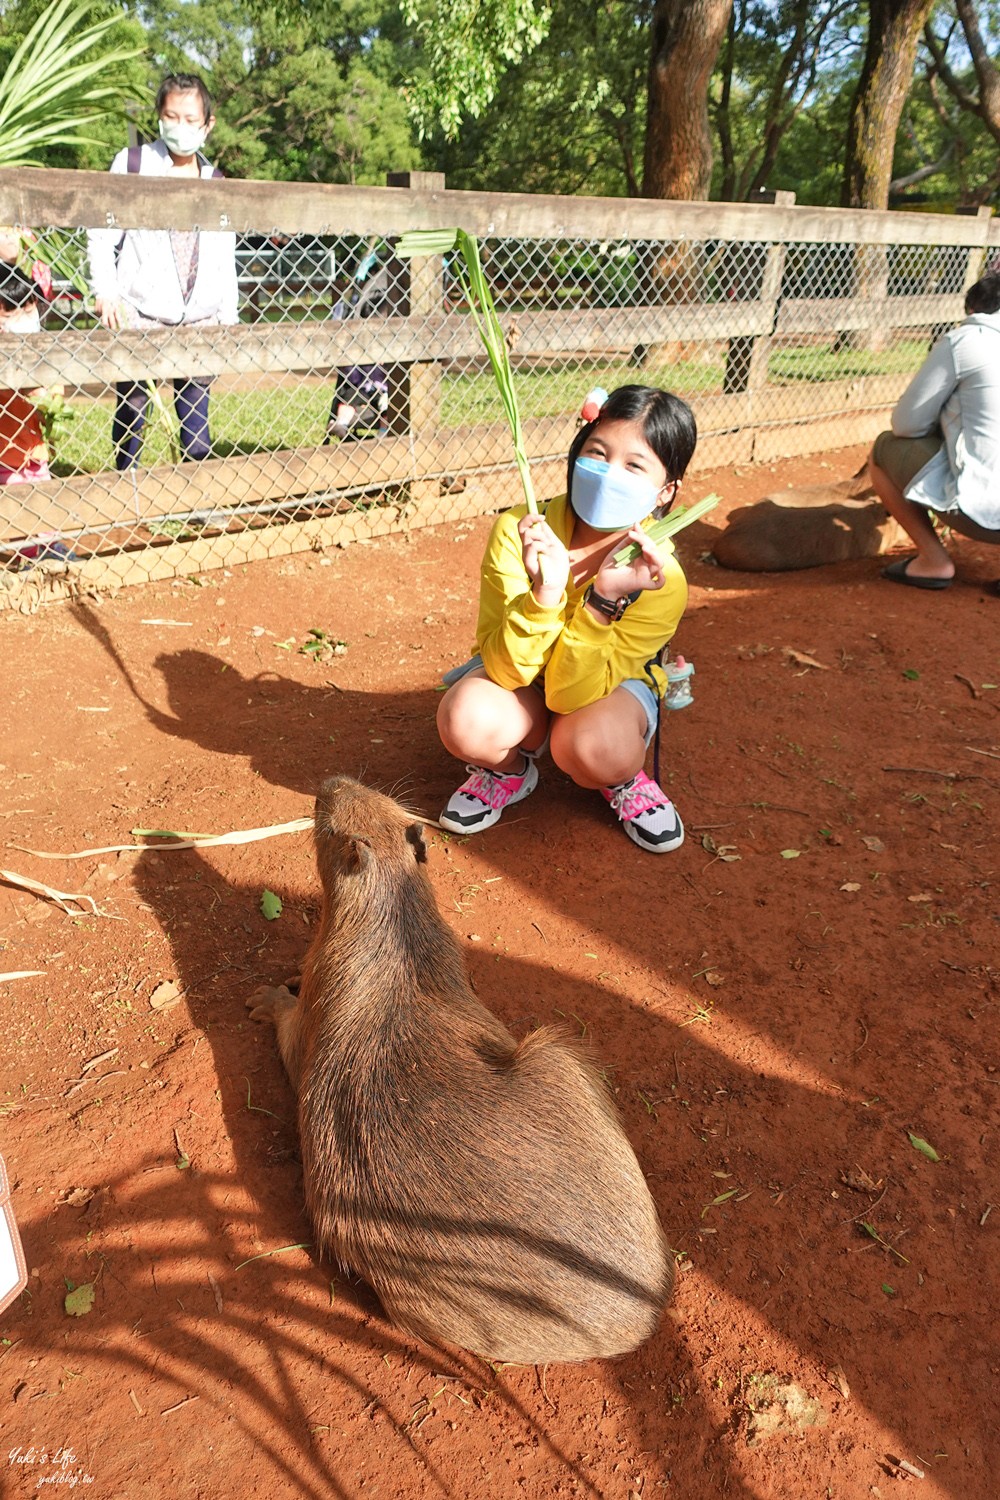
{"x":808,"y":528}
{"x":483,"y":1186}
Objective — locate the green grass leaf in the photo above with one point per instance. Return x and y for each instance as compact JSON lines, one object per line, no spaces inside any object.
{"x":271,"y":905}
{"x":911,"y":674}
{"x":919,"y":1144}
{"x":668,"y":525}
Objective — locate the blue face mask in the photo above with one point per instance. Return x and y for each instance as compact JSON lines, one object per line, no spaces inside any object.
{"x":608,"y":497}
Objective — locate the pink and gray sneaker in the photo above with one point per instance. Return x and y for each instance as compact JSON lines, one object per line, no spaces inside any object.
{"x":481,"y":799}
{"x":647,"y":814}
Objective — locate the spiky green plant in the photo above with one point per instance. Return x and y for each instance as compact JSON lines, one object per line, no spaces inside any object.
{"x":59,"y":81}
{"x":469,"y":271}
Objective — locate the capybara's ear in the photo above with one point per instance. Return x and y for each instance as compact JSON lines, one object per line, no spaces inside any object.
{"x":362,"y":852}
{"x":415,"y":836}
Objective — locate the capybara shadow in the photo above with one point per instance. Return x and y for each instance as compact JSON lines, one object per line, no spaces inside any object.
{"x":484,"y":1187}
{"x":808,"y":527}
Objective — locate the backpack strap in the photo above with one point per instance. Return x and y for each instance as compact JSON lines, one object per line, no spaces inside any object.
{"x":133,"y":164}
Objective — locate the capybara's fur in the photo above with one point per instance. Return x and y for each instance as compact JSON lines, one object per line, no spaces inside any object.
{"x":807,"y":528}
{"x":484,"y":1187}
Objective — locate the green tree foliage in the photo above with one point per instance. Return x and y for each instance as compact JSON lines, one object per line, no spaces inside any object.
{"x":568,"y":118}
{"x":469,"y":45}
{"x":119,"y":44}
{"x":946,"y":155}
{"x":782,"y":73}
{"x":311,"y":95}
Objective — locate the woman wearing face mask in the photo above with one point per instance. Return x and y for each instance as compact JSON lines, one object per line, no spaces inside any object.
{"x":568,"y":638}
{"x":160,"y":278}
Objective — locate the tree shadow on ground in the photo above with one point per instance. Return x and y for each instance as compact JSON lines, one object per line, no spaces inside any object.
{"x":805,"y":1275}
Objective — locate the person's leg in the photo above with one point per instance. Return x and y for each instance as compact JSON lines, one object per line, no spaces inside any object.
{"x":479,"y":721}
{"x":490,"y":728}
{"x":604,"y":746}
{"x":887,"y":470}
{"x":191,"y":405}
{"x":127,"y":424}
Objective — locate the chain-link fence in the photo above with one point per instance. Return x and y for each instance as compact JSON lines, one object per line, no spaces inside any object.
{"x":352,"y":396}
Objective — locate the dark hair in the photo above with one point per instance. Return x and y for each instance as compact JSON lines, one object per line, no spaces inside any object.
{"x":184,"y":83}
{"x":668,"y":426}
{"x":984,"y":295}
{"x":16,"y":289}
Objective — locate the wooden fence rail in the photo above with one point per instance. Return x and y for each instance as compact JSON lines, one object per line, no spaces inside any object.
{"x":314,"y":494}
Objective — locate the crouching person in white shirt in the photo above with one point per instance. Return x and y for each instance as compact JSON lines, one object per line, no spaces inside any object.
{"x":942,"y":457}
{"x":162,"y":278}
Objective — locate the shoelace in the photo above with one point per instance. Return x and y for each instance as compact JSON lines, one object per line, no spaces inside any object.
{"x":631,"y":800}
{"x":489,"y":786}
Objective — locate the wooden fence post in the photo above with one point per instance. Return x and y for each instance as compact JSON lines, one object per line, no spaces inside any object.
{"x":415,"y":389}
{"x":746,"y":360}
{"x":977,"y":254}
{"x":974,"y":264}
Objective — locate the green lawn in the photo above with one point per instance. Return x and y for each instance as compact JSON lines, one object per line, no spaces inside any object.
{"x":294,"y":414}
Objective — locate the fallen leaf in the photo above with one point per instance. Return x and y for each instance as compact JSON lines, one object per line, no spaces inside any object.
{"x":875,"y":845}
{"x":912,"y":674}
{"x":790,"y":853}
{"x":802,"y":660}
{"x":722,"y":1198}
{"x":923,"y":896}
{"x":726,"y":852}
{"x":76,"y":1197}
{"x":838,"y":1380}
{"x":271,"y":905}
{"x":713,"y":978}
{"x":164,"y":995}
{"x":851,"y":885}
{"x":859,"y":1181}
{"x":79,"y":1300}
{"x":919,"y":1144}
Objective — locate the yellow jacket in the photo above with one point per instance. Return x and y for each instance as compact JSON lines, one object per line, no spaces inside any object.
{"x":583,"y":660}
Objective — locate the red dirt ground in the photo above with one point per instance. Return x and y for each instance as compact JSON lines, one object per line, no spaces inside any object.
{"x":774,"y":1028}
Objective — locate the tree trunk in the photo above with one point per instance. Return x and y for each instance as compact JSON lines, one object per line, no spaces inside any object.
{"x":894,"y":28}
{"x":685,"y":40}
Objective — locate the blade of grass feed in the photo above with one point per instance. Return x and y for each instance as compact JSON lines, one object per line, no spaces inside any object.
{"x":668,"y":525}
{"x":469,"y":273}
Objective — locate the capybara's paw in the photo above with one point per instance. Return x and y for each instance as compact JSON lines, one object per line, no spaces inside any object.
{"x":266,"y":1003}
{"x":292,"y":985}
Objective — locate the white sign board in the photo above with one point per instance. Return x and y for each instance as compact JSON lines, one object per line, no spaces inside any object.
{"x":13,"y":1272}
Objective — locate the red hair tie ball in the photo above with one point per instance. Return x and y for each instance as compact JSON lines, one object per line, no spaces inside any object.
{"x":593,"y":403}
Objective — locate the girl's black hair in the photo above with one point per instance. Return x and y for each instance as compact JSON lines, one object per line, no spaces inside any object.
{"x":16,"y":289}
{"x":668,"y":426}
{"x":184,"y":83}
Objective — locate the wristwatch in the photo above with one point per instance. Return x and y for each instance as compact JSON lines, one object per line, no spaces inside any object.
{"x":612,"y":609}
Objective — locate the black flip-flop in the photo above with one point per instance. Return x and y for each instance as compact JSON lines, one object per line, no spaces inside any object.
{"x":897,"y":573}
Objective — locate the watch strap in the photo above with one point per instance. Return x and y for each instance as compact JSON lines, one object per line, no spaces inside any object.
{"x":612,"y":609}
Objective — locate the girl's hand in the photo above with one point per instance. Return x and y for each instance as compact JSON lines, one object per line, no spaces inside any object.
{"x":646,"y":572}
{"x":541,"y":550}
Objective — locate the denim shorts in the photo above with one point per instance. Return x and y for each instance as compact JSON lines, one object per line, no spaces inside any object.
{"x":637,"y":686}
